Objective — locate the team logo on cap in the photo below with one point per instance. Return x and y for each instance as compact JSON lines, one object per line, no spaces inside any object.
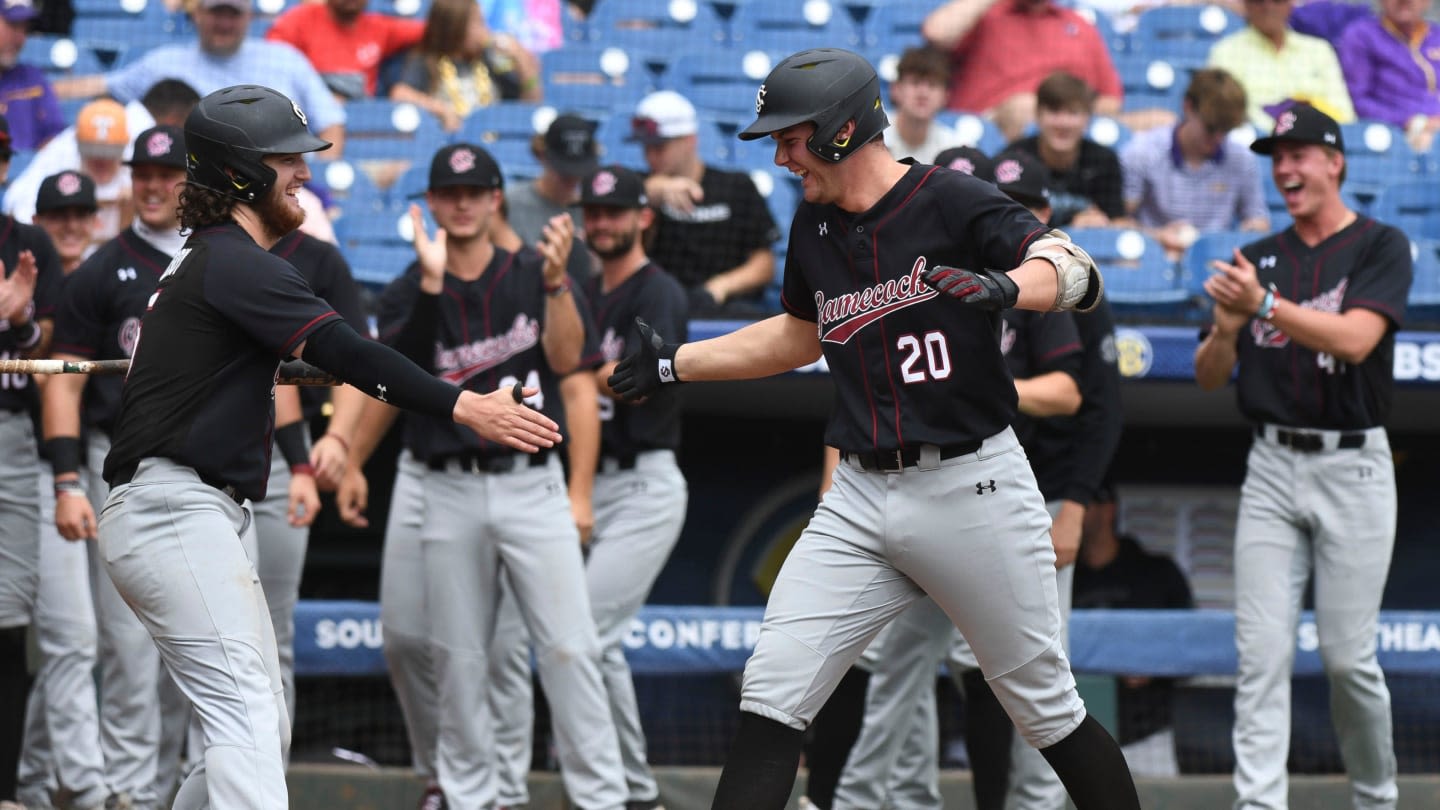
{"x":1008,"y":171}
{"x":462,"y":161}
{"x":159,"y":143}
{"x":68,"y":184}
{"x":299,"y":113}
{"x":963,"y":165}
{"x":1285,"y":123}
{"x":603,"y":184}
{"x":760,"y":99}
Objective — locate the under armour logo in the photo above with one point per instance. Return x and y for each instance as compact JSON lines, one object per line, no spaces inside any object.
{"x":981,"y":487}
{"x":1267,"y":262}
{"x":380,"y":393}
{"x":824,"y":228}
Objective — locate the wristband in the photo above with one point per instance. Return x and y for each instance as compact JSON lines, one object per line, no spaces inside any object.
{"x":302,"y":469}
{"x":1267,"y":305}
{"x":343,"y":444}
{"x":64,"y":454}
{"x":71,"y":487}
{"x":557,"y":290}
{"x":291,"y":441}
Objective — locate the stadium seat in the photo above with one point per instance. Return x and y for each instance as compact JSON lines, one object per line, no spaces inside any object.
{"x":377,"y":265}
{"x":1162,"y":24}
{"x":1212,"y":246}
{"x":60,"y":57}
{"x":1114,"y":40}
{"x":516,"y":121}
{"x":380,"y":129}
{"x":722,"y":81}
{"x":614,"y":146}
{"x":349,"y":186}
{"x":974,"y":130}
{"x":894,"y":26}
{"x":408,"y":187}
{"x":365,"y":229}
{"x":1150,"y":82}
{"x":1413,"y":207}
{"x":1424,"y":301}
{"x":1138,"y":277}
{"x":1378,"y":156}
{"x":594,"y":79}
{"x":1109,"y":132}
{"x":782,"y":196}
{"x":646,"y":24}
{"x":777,"y":26}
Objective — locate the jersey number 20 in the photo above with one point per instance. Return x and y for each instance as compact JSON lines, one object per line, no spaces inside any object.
{"x":937,"y":357}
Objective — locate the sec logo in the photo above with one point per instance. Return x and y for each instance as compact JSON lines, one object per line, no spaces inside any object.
{"x":1133,"y":353}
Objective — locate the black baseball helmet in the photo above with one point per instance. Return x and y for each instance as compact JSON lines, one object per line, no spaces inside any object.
{"x":826,"y":86}
{"x":232,"y":129}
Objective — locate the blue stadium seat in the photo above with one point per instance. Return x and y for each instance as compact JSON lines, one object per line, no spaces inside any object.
{"x":783,"y":27}
{"x":365,"y":229}
{"x":722,"y":81}
{"x":1413,"y":207}
{"x":408,"y":187}
{"x":1184,"y":54}
{"x":517,"y":121}
{"x":377,"y":265}
{"x":614,"y":148}
{"x":1150,"y":82}
{"x":648,"y":24}
{"x":1139,"y":279}
{"x":349,"y":187}
{"x":1377,"y":156}
{"x":1165,"y":23}
{"x":1424,"y":302}
{"x":1114,"y":40}
{"x":1212,"y":246}
{"x":1109,"y":132}
{"x":595,"y":79}
{"x":894,"y":26}
{"x":975,"y":130}
{"x":782,"y":196}
{"x":60,"y":57}
{"x":380,"y":129}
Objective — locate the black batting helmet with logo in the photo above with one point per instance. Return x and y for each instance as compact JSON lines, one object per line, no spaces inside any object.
{"x":232,"y":129}
{"x":827,"y":87}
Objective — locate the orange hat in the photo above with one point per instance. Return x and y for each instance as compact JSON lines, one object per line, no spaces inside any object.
{"x":100,"y":130}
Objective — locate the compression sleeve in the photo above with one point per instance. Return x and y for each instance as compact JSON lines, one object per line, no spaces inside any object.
{"x":379,"y":371}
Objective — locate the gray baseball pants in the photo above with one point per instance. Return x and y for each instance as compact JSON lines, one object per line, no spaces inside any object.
{"x":19,"y":520}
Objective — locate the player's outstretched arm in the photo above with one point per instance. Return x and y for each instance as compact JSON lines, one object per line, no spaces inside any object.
{"x":60,"y":416}
{"x":761,"y":349}
{"x":385,"y":374}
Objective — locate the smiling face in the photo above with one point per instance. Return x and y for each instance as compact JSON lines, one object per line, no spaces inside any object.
{"x":918,"y":96}
{"x":221,"y":29}
{"x":465,"y":212}
{"x":611,"y":232}
{"x":817,"y":178}
{"x":71,"y":230}
{"x":1269,"y":17}
{"x":280,"y":211}
{"x":1063,"y":128}
{"x":156,"y":192}
{"x":1307,"y":175}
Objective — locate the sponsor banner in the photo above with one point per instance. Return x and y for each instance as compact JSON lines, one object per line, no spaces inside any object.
{"x":345,"y":638}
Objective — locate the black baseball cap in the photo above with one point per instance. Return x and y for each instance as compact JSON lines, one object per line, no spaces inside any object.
{"x":1301,"y":123}
{"x":66,"y":190}
{"x":570,"y":146}
{"x":1022,"y":176}
{"x":615,"y":187}
{"x":161,"y":145}
{"x":969,"y":160}
{"x":464,"y":164}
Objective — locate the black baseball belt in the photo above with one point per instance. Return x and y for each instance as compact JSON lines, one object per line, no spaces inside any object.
{"x":1311,"y":441}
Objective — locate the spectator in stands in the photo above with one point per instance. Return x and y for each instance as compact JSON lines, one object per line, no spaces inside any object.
{"x":1003,"y":49}
{"x":1390,"y":64}
{"x":1184,"y":180}
{"x":1085,"y":181}
{"x":223,"y":55}
{"x":66,"y":210}
{"x":460,"y":65}
{"x":1275,"y":63}
{"x":27,"y":100}
{"x":567,"y":152}
{"x":101,"y":137}
{"x":714,"y":233}
{"x":916,"y":95}
{"x":1115,"y":571}
{"x":344,"y":42}
{"x":167,"y":102}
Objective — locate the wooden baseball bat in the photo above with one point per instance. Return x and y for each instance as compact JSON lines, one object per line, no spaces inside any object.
{"x":294,"y":372}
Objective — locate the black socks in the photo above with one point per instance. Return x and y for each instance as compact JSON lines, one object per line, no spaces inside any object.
{"x":760,"y":771}
{"x":832,"y":734}
{"x":1093,"y":770}
{"x":14,"y":688}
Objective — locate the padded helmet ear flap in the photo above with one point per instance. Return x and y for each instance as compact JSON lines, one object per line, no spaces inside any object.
{"x":231,"y":130}
{"x":827,"y":87}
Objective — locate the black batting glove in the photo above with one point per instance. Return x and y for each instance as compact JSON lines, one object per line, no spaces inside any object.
{"x":646,"y":369}
{"x":976,"y":288}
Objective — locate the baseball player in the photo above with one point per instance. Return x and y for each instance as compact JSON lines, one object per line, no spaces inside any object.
{"x":29,"y":288}
{"x":478,"y":315}
{"x":191,"y":436}
{"x":1308,"y":317}
{"x":61,"y":758}
{"x":142,"y":716}
{"x":933,"y":494}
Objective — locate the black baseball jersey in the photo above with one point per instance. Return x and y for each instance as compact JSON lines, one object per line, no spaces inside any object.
{"x":100,"y":310}
{"x":328,"y":274}
{"x":486,"y":336}
{"x":1095,"y":179}
{"x":1072,"y":454}
{"x":719,"y":234}
{"x":201,"y":387}
{"x":1367,"y":265}
{"x":911,"y":366}
{"x":1036,"y":343}
{"x":652,"y":294}
{"x":16,"y":391}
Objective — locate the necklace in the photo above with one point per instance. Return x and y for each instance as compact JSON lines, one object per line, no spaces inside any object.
{"x":482,"y":90}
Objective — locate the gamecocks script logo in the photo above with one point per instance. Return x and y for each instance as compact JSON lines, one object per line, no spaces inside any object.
{"x":457,"y":364}
{"x":844,"y":315}
{"x":1268,"y":336}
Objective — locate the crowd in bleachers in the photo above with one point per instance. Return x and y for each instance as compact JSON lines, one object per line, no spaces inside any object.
{"x":391,"y":81}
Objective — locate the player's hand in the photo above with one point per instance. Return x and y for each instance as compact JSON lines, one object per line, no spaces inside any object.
{"x":74,"y":517}
{"x":1065,"y":532}
{"x":502,"y":417}
{"x":976,"y":288}
{"x":647,"y":368}
{"x":554,"y":246}
{"x":1236,"y":285}
{"x":430,"y":251}
{"x":304,"y":500}
{"x":328,"y":456}
{"x":679,"y":194}
{"x":353,"y":497}
{"x":17,"y":291}
{"x":582,"y":511}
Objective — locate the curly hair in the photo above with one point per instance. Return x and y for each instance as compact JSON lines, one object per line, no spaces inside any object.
{"x":200,"y":206}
